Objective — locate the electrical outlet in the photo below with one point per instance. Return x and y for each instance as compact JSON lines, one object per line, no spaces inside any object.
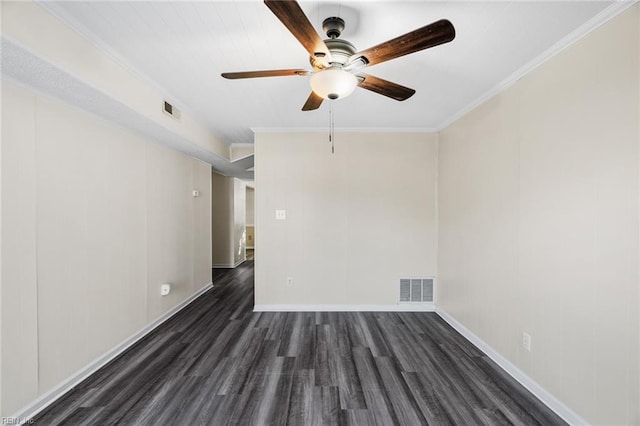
{"x":289,"y":282}
{"x":165,"y":289}
{"x":526,"y":342}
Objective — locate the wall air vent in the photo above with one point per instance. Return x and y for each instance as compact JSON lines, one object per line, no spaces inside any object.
{"x":416,"y":290}
{"x":171,"y":110}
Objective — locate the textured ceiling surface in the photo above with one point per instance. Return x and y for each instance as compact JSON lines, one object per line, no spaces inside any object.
{"x":184,"y":46}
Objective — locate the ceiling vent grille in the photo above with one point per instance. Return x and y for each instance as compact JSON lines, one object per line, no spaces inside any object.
{"x":416,"y":290}
{"x":171,"y":110}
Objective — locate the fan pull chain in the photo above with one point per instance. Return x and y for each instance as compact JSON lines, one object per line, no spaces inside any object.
{"x":332,"y":135}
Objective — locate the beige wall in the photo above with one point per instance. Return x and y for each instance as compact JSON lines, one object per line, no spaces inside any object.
{"x":240,"y":152}
{"x":538,"y":206}
{"x":251,"y":237}
{"x":239,"y":221}
{"x":19,"y":287}
{"x":1,"y":273}
{"x":250,"y":216}
{"x":356,"y":221}
{"x":94,"y":220}
{"x":250,"y":209}
{"x":228,"y":218}
{"x":222,"y":220}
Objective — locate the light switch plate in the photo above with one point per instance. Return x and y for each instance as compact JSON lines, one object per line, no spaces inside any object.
{"x":526,"y":341}
{"x":281,"y":215}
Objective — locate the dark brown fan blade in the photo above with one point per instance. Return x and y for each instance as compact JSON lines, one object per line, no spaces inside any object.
{"x":269,"y":73}
{"x":292,"y":16}
{"x":431,"y":35}
{"x":313,"y":102}
{"x":386,"y":88}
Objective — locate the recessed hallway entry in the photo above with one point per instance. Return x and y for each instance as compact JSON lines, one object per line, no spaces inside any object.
{"x":219,"y":363}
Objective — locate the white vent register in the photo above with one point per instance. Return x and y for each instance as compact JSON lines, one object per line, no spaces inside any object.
{"x":416,"y":290}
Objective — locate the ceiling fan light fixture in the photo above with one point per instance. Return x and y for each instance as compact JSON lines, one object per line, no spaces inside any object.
{"x":335,"y":61}
{"x":333,"y":83}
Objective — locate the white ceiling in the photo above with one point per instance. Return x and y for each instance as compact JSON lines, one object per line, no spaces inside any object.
{"x":184,"y":46}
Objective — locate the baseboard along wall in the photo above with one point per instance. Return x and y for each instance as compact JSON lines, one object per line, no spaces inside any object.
{"x":405,"y":307}
{"x":51,"y":396}
{"x":531,"y":385}
{"x":228,"y":265}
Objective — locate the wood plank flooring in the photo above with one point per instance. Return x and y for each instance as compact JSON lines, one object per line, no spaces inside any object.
{"x":219,"y":363}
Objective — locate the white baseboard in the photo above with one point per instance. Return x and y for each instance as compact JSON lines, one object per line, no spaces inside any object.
{"x":228,"y":265}
{"x":408,"y":307}
{"x":51,"y":396}
{"x":531,"y":385}
{"x":538,"y":391}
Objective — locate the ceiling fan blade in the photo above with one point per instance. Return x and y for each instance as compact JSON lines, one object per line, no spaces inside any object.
{"x":269,"y":73}
{"x":292,"y":16}
{"x":431,"y":35}
{"x":386,"y":88}
{"x":313,"y":102}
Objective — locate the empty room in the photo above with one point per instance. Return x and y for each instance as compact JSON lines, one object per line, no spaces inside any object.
{"x":320,"y":212}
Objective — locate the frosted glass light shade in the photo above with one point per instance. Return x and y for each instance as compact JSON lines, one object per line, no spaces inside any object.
{"x":333,"y":83}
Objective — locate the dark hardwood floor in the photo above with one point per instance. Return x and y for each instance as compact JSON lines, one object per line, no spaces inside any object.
{"x":218,"y":363}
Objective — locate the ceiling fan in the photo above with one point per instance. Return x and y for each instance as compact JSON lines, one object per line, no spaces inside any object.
{"x":336,"y":63}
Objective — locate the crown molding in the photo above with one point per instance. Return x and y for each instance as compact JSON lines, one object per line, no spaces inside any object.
{"x":582,"y":31}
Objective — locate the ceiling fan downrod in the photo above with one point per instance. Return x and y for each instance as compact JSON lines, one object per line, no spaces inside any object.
{"x":333,"y":26}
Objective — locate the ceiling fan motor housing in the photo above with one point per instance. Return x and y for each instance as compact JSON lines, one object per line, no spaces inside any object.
{"x":341,"y":50}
